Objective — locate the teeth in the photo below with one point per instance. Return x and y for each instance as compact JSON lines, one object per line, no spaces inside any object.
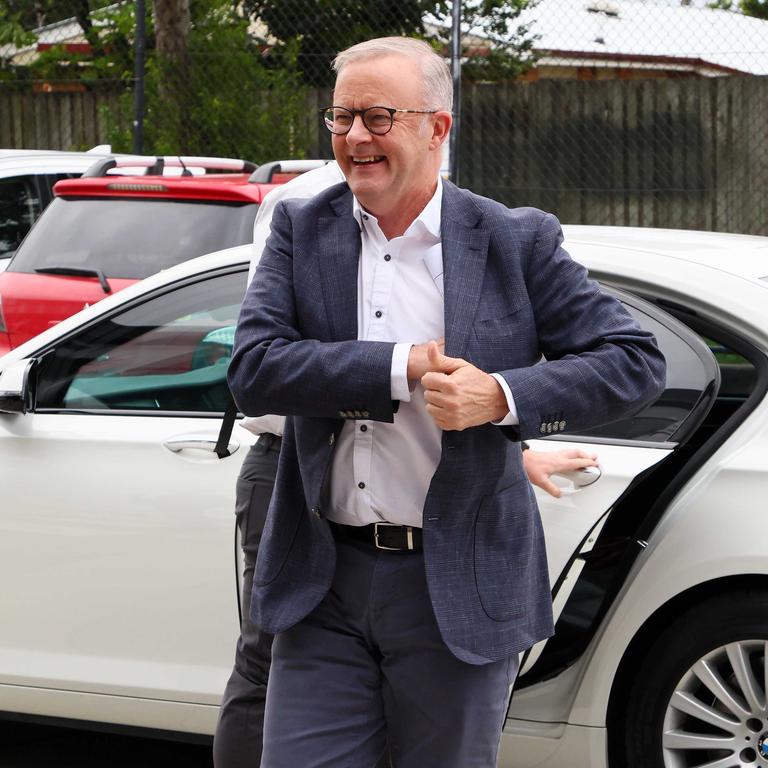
{"x":369,"y":159}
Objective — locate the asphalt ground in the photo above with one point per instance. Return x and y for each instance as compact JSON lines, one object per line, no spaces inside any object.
{"x":23,"y":745}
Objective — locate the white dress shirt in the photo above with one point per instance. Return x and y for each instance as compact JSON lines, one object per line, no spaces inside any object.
{"x":400,"y":299}
{"x":382,"y":471}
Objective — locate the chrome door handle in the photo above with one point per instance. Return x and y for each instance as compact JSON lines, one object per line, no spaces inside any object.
{"x":581,"y":478}
{"x":198,"y":442}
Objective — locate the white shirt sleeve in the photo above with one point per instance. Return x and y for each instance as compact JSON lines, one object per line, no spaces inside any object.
{"x":511,"y":419}
{"x":399,"y":376}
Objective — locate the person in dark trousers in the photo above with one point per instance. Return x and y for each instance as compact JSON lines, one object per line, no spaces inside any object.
{"x":239,"y":733}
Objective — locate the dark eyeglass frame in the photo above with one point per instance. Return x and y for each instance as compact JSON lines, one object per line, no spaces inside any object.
{"x":362,"y":112}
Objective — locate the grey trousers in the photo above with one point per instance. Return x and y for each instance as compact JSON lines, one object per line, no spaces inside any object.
{"x":368,"y":666}
{"x":239,"y":732}
{"x":240,"y":729}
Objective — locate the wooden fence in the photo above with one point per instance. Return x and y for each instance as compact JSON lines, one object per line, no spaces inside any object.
{"x":70,"y":121}
{"x":689,"y":153}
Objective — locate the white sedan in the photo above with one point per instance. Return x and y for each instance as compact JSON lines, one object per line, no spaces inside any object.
{"x":118,"y":557}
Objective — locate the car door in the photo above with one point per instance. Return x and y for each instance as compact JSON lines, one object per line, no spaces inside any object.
{"x":116,"y":517}
{"x":626,"y":449}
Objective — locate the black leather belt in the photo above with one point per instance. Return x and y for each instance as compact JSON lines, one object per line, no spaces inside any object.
{"x":270,"y":442}
{"x":388,"y":536}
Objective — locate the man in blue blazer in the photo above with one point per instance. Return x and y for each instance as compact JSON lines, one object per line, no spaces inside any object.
{"x":400,"y":323}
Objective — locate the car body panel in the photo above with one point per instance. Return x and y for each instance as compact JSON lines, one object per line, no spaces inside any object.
{"x":690,"y":545}
{"x":137,"y":555}
{"x":26,"y":316}
{"x":569,"y":519}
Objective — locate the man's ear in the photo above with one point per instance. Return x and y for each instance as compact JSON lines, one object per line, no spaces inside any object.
{"x":441,"y":128}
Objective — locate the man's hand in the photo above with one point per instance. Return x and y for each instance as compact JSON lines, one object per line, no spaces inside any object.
{"x":418,"y":362}
{"x":539,"y":465}
{"x":458,"y":394}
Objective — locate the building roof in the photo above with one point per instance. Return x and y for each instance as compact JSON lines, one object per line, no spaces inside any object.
{"x":646,"y":33}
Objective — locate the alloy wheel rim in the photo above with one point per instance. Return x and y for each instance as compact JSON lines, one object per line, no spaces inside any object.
{"x":717,"y":716}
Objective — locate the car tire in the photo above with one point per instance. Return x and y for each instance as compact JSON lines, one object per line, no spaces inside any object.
{"x":700,"y":693}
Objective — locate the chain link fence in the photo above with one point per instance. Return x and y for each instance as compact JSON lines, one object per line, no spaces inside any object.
{"x":619,"y":112}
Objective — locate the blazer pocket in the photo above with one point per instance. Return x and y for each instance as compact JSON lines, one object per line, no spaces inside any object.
{"x":505,"y":544}
{"x":509,"y":339}
{"x":275,"y":546}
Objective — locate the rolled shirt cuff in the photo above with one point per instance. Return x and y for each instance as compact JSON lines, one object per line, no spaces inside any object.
{"x":511,"y":419}
{"x":399,"y":374}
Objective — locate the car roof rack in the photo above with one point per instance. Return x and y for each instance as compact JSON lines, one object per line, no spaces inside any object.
{"x":154,"y":166}
{"x":265,"y":173}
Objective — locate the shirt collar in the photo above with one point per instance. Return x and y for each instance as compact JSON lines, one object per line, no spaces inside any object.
{"x":428,"y":219}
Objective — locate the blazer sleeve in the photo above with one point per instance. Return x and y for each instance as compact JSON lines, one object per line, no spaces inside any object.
{"x":275,"y":369}
{"x":598,"y":366}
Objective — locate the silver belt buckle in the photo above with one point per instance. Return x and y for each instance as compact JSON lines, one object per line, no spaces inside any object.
{"x":408,"y":536}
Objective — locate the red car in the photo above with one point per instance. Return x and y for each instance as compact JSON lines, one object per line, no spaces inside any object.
{"x":107,"y":230}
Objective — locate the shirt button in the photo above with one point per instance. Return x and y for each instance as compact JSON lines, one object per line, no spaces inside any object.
{"x":363,"y":427}
{"x":316,"y":511}
{"x":379,"y":313}
{"x":387,"y":257}
{"x":361,"y":485}
{"x":365,"y":217}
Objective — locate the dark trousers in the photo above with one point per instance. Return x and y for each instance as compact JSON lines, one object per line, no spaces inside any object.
{"x":368,"y":666}
{"x":239,"y":732}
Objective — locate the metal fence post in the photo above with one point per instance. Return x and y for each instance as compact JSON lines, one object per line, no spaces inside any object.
{"x":138,"y":79}
{"x":456,"y":71}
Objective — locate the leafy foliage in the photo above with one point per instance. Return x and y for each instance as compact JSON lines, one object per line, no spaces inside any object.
{"x":322,"y":28}
{"x":756,"y":8}
{"x":227,"y":102}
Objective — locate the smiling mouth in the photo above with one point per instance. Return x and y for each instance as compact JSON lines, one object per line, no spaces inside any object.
{"x":367,"y":160}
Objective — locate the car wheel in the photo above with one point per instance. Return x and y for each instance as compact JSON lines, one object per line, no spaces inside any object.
{"x":699,"y":698}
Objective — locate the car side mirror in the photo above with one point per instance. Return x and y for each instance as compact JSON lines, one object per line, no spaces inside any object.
{"x":17,"y":386}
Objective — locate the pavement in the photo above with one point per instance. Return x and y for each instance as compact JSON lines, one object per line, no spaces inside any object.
{"x":35,"y":746}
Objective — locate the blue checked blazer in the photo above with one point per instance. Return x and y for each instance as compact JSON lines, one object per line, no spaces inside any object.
{"x":512,"y":294}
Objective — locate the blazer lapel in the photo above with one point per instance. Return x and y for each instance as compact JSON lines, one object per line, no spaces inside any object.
{"x":465,"y":248}
{"x":338,"y":256}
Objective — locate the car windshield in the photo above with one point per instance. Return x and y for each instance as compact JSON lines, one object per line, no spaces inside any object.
{"x":127,"y":238}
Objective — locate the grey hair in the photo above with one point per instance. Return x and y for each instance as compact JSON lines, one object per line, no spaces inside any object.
{"x":437,"y":81}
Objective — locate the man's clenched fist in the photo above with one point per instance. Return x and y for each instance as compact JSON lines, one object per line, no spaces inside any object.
{"x":458,"y":394}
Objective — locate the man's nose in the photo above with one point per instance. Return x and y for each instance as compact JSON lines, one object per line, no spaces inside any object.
{"x":358,"y":133}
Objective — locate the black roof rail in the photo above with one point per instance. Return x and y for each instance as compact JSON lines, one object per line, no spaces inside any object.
{"x":266,"y":172}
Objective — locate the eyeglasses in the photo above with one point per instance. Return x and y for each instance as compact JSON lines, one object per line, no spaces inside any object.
{"x":378,"y":120}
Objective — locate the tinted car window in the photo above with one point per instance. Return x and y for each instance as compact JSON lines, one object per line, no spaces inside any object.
{"x":129,"y":238}
{"x":691,"y":374}
{"x":168,"y":354}
{"x":19,"y":207}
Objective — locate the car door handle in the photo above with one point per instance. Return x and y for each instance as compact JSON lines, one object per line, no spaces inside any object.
{"x":198,"y":442}
{"x":581,"y":478}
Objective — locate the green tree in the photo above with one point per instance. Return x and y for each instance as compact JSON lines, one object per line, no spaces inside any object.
{"x":756,"y":8}
{"x":227,"y":102}
{"x":496,"y":45}
{"x":322,"y":28}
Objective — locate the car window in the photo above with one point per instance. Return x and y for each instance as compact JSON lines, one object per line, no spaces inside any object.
{"x":19,"y":207}
{"x":739,"y":375}
{"x":692,"y":375}
{"x":169,"y":353}
{"x":131,"y":238}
